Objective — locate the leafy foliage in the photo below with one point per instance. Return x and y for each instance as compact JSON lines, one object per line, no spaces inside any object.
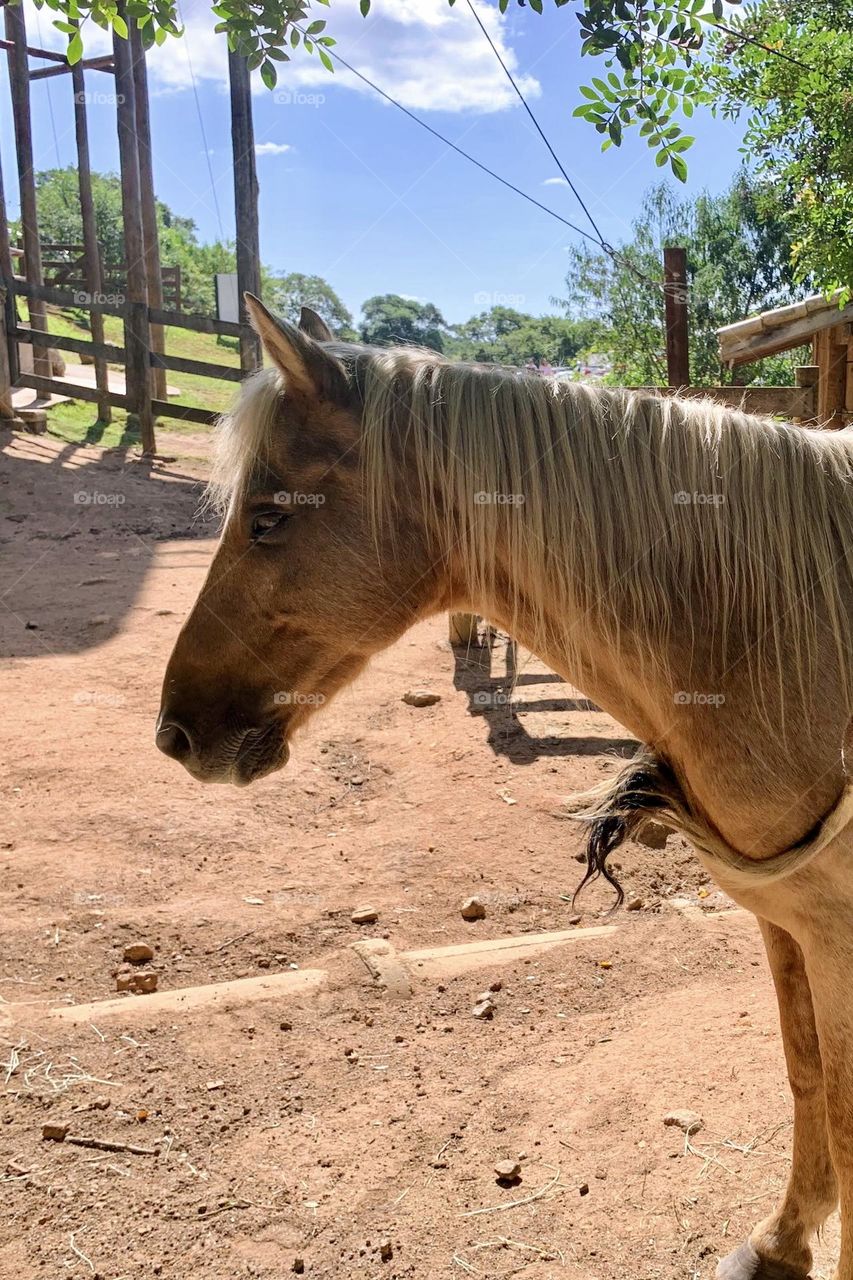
{"x":288,"y":294}
{"x":738,"y":260}
{"x":389,"y":318}
{"x":503,"y":335}
{"x":649,"y":50}
{"x":799,"y":104}
{"x":60,"y":222}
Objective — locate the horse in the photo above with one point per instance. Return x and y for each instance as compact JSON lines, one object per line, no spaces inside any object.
{"x":686,"y":566}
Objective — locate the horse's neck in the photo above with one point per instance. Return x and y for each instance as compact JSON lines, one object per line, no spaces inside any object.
{"x":761,"y":793}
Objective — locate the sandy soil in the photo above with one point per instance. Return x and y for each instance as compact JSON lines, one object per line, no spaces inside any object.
{"x":348,"y":1134}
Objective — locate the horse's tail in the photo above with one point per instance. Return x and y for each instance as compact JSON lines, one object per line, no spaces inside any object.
{"x":647,"y":788}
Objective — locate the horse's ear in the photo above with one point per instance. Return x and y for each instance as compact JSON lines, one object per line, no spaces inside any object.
{"x":315,"y":326}
{"x":309,"y":371}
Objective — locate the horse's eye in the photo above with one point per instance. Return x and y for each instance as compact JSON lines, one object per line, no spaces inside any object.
{"x":268,"y":522}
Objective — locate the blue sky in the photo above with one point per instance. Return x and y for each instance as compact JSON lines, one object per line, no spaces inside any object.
{"x":354,"y":191}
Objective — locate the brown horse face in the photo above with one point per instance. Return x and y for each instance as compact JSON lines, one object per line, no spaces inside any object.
{"x":299,"y":595}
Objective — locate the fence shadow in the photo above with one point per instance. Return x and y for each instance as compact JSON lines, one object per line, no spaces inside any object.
{"x":79,"y":528}
{"x":493,"y":696}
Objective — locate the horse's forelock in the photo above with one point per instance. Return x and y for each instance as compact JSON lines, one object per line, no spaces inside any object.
{"x":242,"y":438}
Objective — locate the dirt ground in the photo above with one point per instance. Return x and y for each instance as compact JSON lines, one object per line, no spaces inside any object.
{"x":348,"y":1134}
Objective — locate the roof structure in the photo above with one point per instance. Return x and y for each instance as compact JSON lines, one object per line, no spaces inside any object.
{"x":773,"y":331}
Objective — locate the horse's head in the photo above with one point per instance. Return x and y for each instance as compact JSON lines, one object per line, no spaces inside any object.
{"x":305,"y":586}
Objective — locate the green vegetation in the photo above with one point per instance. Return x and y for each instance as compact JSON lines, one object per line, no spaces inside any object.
{"x":738,"y":262}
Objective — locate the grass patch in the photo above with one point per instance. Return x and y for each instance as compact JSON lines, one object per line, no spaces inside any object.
{"x":76,"y":421}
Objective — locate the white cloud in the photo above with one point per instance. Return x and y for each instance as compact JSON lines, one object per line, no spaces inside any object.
{"x":272,"y":148}
{"x":428,"y":55}
{"x":555,"y":182}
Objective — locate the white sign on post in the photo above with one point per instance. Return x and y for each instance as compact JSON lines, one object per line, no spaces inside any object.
{"x":227,"y":297}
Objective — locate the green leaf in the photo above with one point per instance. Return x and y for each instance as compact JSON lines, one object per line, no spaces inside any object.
{"x":316,"y":27}
{"x":364,"y":6}
{"x":75,"y":48}
{"x":679,"y":167}
{"x":269,"y":75}
{"x":120,"y":26}
{"x":325,"y":59}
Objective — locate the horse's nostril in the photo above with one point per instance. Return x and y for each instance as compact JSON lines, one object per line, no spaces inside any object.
{"x":174,"y":741}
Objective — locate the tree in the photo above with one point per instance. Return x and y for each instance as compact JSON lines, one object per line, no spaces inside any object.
{"x":800,"y":121}
{"x":389,"y":318}
{"x":287,"y":294}
{"x":786,"y":63}
{"x":649,"y":47}
{"x":60,"y":222}
{"x":738,"y":261}
{"x":505,"y":336}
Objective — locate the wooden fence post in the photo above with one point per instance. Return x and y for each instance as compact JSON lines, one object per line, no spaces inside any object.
{"x":462,"y":629}
{"x":7,"y":274}
{"x":19,"y":80}
{"x":830,"y":348}
{"x":149,"y":205}
{"x":91,"y":251}
{"x":807,"y":376}
{"x":245,"y":199}
{"x":676,"y":316}
{"x":137,"y":341}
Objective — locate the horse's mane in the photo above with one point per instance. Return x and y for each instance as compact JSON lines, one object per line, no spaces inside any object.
{"x":625,"y":513}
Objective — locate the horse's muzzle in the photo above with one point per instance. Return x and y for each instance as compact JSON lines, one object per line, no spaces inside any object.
{"x":239,"y":758}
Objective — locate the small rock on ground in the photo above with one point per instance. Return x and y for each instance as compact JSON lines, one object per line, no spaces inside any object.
{"x":421,"y":697}
{"x":687,"y":1121}
{"x":138,"y":953}
{"x":484,"y":1008}
{"x":473,"y":909}
{"x":508,"y":1170}
{"x":364,"y":915}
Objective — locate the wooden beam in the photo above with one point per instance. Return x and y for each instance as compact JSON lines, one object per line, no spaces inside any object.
{"x":88,"y":64}
{"x":91,"y":249}
{"x":771,"y":342}
{"x":19,"y":78}
{"x":245,"y":200}
{"x":149,"y":208}
{"x":198,"y":324}
{"x":65,"y":297}
{"x":73,"y":390}
{"x":185,"y":413}
{"x":204,"y":368}
{"x":676,"y":316}
{"x":82,"y":346}
{"x":788,"y":402}
{"x":807,"y":377}
{"x":137,"y":341}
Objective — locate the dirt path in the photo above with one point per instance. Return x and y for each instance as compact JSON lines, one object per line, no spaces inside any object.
{"x":319,"y":1131}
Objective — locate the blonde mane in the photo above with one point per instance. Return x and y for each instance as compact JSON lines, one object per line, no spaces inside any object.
{"x":633,"y":515}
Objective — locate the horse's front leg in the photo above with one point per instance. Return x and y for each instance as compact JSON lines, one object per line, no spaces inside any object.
{"x":778,"y":1248}
{"x":828,"y":949}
